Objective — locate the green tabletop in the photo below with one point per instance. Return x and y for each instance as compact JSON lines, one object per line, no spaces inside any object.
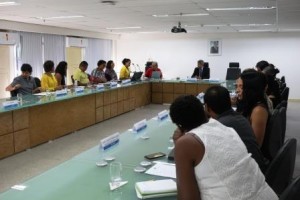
{"x":80,"y":178}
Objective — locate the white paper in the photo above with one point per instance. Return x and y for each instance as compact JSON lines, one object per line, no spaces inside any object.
{"x":114,"y":186}
{"x":163,"y":169}
{"x":159,"y":186}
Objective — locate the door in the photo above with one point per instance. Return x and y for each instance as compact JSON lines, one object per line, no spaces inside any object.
{"x":7,"y":66}
{"x":74,"y":56}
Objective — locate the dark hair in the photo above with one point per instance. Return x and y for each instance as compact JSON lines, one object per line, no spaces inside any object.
{"x":83,"y":64}
{"x":262,"y":65}
{"x":48,"y":66}
{"x":187,"y":112}
{"x":125,"y":60}
{"x":217,"y":98}
{"x":271,"y":70}
{"x":201,"y":61}
{"x":254,"y":85}
{"x":109,"y":64}
{"x":61,"y":68}
{"x":26,"y":68}
{"x":101,"y":62}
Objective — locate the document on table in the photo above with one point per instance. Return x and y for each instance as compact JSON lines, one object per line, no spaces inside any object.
{"x":163,"y":169}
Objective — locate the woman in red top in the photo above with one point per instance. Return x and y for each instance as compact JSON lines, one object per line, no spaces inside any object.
{"x":154,"y":68}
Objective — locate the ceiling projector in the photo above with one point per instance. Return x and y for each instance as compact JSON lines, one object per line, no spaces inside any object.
{"x":178,"y":29}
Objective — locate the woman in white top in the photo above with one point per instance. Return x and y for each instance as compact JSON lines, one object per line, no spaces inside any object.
{"x":212,"y":163}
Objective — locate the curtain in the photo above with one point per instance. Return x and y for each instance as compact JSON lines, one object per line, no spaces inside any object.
{"x":54,"y":48}
{"x":97,"y":49}
{"x":31,"y":52}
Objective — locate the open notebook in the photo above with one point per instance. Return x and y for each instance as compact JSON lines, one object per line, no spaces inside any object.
{"x":153,"y":189}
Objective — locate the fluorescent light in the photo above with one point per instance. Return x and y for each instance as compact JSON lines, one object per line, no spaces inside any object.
{"x":289,"y":30}
{"x":256,"y":30}
{"x":129,"y":27}
{"x":242,"y":8}
{"x":61,"y":17}
{"x":206,"y":25}
{"x":251,"y":24}
{"x":160,"y":15}
{"x":9,"y":3}
{"x":182,"y":15}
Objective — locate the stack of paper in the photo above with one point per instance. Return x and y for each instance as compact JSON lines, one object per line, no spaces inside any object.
{"x":163,"y":169}
{"x":152,"y":189}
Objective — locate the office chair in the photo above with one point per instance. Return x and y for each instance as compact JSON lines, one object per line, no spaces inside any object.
{"x":285,"y":94}
{"x":282,"y":113}
{"x":37,"y":81}
{"x":273,"y":136}
{"x":72,"y":78}
{"x":282,"y":79}
{"x":234,"y":64}
{"x":280,"y":171}
{"x":292,"y":192}
{"x":206,"y":64}
{"x":233,"y":73}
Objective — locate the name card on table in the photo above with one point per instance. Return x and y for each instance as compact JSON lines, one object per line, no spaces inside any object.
{"x":139,"y":126}
{"x":189,"y":79}
{"x":163,"y":115}
{"x":110,"y":141}
{"x":79,"y":89}
{"x":113,"y":84}
{"x":60,"y":93}
{"x":126,"y":82}
{"x":10,"y":104}
{"x":100,"y":87}
{"x":200,"y":96}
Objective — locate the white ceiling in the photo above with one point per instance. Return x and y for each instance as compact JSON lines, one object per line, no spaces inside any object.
{"x":128,"y":13}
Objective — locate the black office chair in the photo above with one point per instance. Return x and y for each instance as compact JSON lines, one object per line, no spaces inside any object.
{"x":234,"y":64}
{"x":280,"y":171}
{"x":292,"y":192}
{"x":233,"y":73}
{"x":273,"y":136}
{"x":282,"y":113}
{"x":282,"y":79}
{"x":37,"y":81}
{"x":285,"y":94}
{"x":206,"y":64}
{"x":72,"y":78}
{"x":281,"y":104}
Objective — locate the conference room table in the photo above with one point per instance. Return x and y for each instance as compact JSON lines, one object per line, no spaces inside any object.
{"x":80,"y":177}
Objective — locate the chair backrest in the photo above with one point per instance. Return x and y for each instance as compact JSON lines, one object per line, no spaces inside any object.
{"x":292,"y":192}
{"x":37,"y":81}
{"x":206,"y":64}
{"x":72,"y":78}
{"x":273,"y":136}
{"x":280,"y":171}
{"x":281,"y":104}
{"x":282,"y":113}
{"x":234,"y":64}
{"x":233,"y":73}
{"x":282,"y":79}
{"x":285,"y":94}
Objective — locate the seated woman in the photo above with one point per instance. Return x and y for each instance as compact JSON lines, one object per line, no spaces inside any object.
{"x":251,"y":95}
{"x":48,"y":80}
{"x":125,"y":72}
{"x":153,"y":68}
{"x":61,"y":73}
{"x":110,"y":73}
{"x":98,"y":75}
{"x":211,"y":160}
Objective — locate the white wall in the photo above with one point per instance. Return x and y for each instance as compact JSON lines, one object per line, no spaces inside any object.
{"x":177,"y":54}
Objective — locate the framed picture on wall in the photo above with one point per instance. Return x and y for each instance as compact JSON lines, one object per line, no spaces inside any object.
{"x":214,"y":47}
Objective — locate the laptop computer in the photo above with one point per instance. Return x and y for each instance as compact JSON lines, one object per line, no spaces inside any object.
{"x":155,"y":75}
{"x":136,"y":76}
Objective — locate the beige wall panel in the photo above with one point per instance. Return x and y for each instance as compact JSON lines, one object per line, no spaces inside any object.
{"x":168,"y":98}
{"x":114,"y":109}
{"x":120,"y":107}
{"x":73,"y":58}
{"x":157,"y":98}
{"x":106,"y":98}
{"x":132,"y":104}
{"x":106,"y":112}
{"x":191,"y":89}
{"x":120,"y":94}
{"x":114,"y":96}
{"x":126,"y":93}
{"x":126,"y":105}
{"x":6,"y":123}
{"x":22,"y":140}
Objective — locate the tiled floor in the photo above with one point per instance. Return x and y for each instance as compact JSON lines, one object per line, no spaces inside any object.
{"x":20,"y":167}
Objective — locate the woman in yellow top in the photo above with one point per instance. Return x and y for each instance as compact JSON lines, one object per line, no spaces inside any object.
{"x":48,"y":80}
{"x":125,"y":73}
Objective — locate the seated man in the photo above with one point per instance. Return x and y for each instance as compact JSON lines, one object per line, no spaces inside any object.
{"x":98,"y":74}
{"x":24,"y":84}
{"x":218,"y":106}
{"x":201,"y":72}
{"x":80,"y":76}
{"x":154,"y":68}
